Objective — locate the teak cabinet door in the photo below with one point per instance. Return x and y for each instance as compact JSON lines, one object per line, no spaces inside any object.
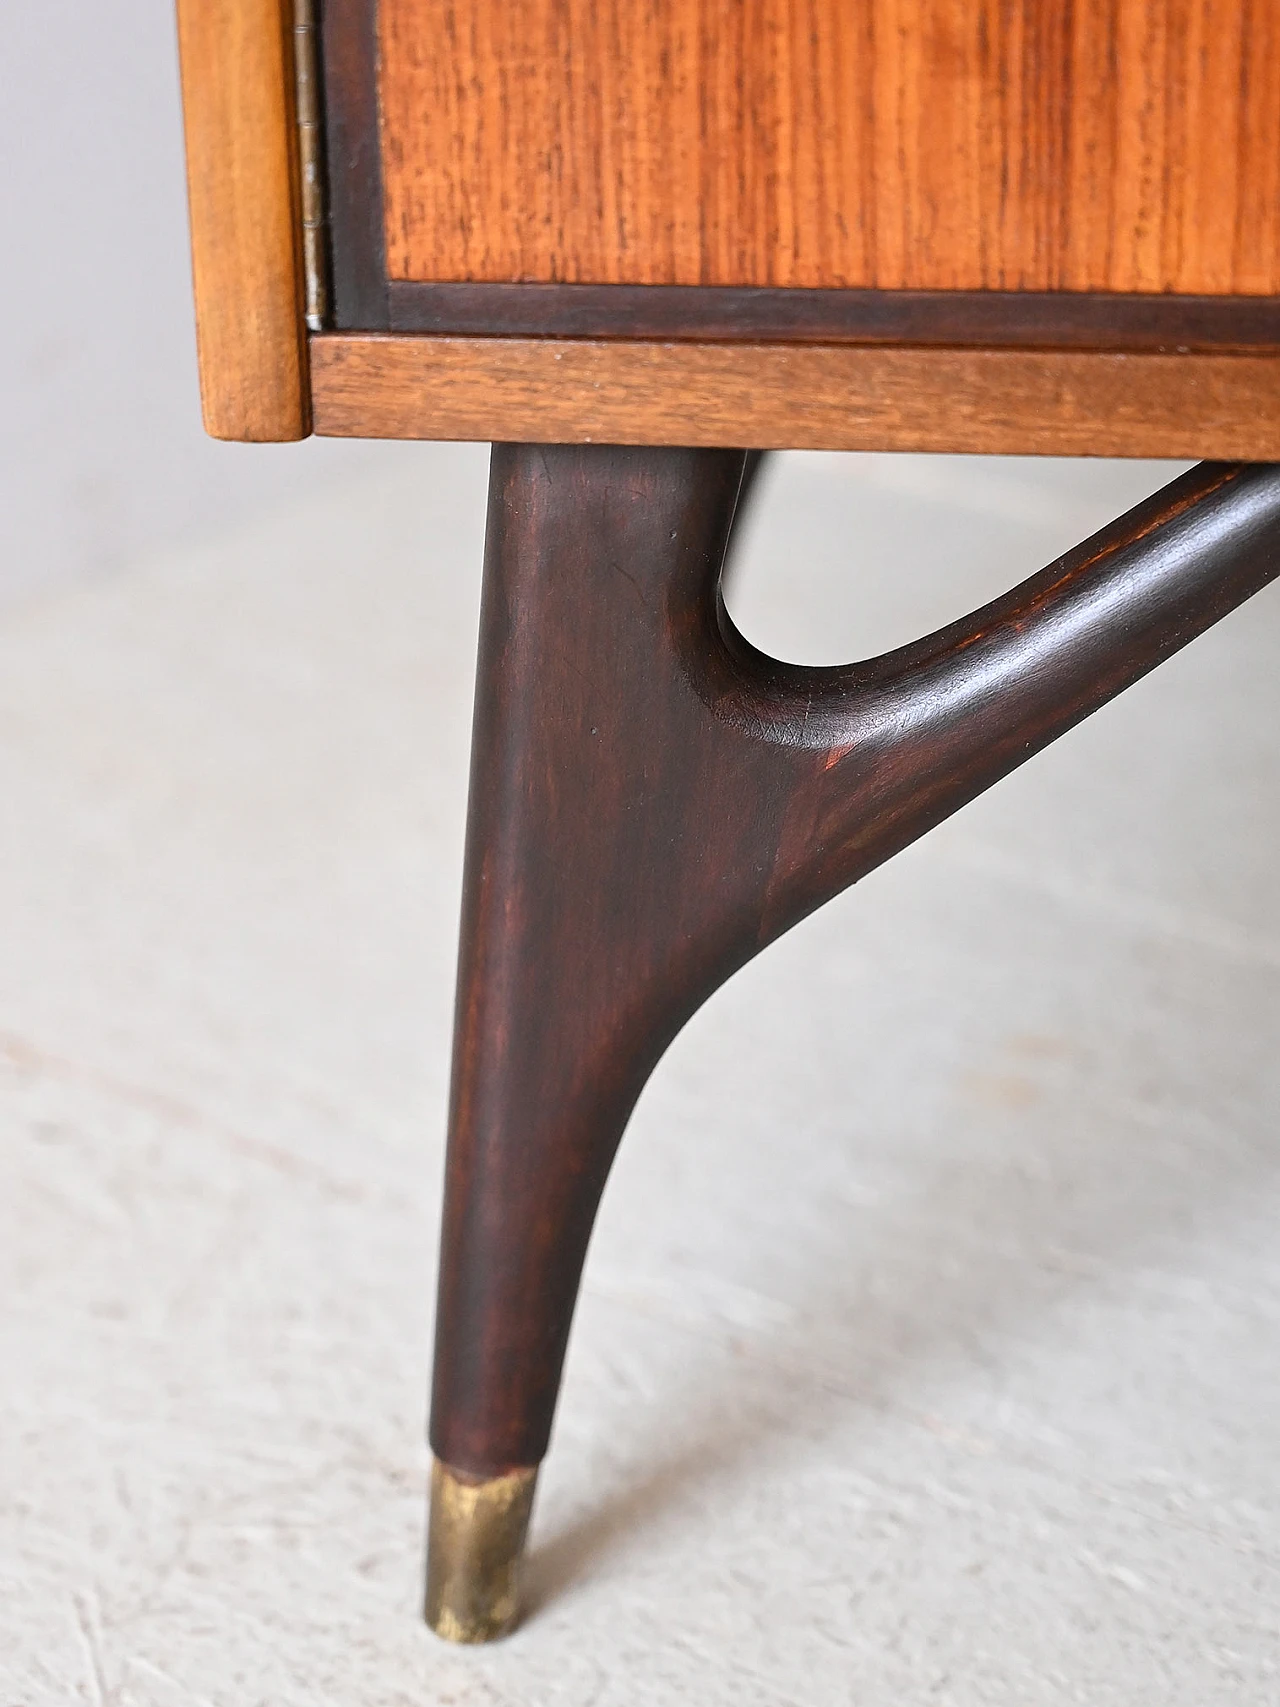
{"x":1107,"y":145}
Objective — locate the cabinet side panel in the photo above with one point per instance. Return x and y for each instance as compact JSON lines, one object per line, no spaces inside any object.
{"x":237,"y":90}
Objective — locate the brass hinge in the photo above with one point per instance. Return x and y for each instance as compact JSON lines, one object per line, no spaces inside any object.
{"x":306,"y":67}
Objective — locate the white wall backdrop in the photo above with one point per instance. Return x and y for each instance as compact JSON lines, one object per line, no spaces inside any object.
{"x":102,"y":456}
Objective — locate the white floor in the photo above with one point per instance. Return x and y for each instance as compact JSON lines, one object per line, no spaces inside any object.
{"x":930,"y":1349}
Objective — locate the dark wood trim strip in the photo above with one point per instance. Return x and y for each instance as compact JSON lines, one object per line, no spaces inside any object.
{"x":712,"y":313}
{"x":798,"y":396}
{"x":349,"y":43}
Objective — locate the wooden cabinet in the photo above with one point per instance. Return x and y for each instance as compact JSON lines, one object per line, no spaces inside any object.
{"x":639,"y":232}
{"x":992,"y":225}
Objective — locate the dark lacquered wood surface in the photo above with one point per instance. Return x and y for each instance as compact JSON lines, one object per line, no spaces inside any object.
{"x":653,"y":801}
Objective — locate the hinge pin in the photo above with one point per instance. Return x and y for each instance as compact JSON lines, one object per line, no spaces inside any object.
{"x":306,"y":64}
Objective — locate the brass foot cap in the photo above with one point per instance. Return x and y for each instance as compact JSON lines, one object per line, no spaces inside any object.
{"x":474,"y":1546}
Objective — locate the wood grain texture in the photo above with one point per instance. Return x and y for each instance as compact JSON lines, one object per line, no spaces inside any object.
{"x":242,"y":177}
{"x":1106,"y":145}
{"x":653,"y":801}
{"x":798,"y":396}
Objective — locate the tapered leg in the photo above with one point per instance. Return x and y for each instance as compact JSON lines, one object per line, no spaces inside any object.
{"x":652,"y":801}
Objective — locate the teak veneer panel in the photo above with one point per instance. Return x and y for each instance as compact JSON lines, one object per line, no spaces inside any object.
{"x":802,"y":396}
{"x":237,"y":94}
{"x":1106,"y":145}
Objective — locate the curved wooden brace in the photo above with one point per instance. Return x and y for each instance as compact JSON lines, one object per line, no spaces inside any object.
{"x":654,"y":800}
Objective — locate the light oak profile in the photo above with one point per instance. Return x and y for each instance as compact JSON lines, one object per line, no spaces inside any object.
{"x":237,"y":90}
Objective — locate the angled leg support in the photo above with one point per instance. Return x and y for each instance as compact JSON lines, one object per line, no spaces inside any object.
{"x":652,"y":802}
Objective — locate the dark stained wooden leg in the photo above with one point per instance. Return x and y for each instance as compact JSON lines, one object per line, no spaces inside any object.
{"x":652,"y":801}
